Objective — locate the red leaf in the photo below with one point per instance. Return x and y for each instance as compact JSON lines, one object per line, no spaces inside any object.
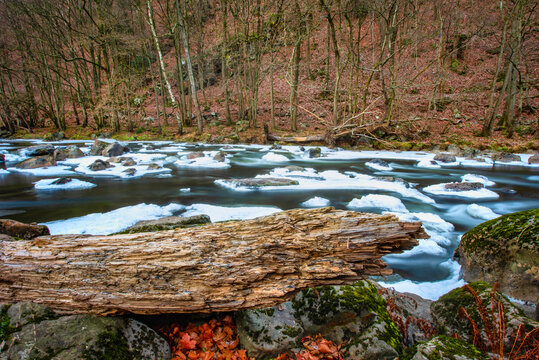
{"x":187,"y":343}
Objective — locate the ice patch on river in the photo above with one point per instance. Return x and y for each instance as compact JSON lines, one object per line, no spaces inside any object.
{"x":73,"y":184}
{"x":481,"y":212}
{"x":479,"y":194}
{"x":316,"y":202}
{"x":225,"y":213}
{"x":58,"y":170}
{"x":112,"y":221}
{"x":378,"y":166}
{"x":431,"y":290}
{"x":117,"y":169}
{"x":384,"y":202}
{"x":478,"y":179}
{"x":207,"y":161}
{"x":310,"y":179}
{"x":273,"y":157}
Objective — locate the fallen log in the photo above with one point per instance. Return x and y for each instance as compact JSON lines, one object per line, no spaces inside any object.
{"x":217,"y":267}
{"x":293,"y":139}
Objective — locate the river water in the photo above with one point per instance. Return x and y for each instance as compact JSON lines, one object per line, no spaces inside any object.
{"x":409,"y":184}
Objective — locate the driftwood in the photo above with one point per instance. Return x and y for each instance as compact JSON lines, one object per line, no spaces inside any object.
{"x":217,"y":267}
{"x":293,"y":139}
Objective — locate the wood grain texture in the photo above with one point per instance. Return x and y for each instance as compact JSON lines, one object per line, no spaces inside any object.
{"x":217,"y":267}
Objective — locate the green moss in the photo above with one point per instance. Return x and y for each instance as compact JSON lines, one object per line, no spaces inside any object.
{"x":291,"y":331}
{"x":267,"y":312}
{"x":5,"y":328}
{"x":450,"y":348}
{"x":110,"y":345}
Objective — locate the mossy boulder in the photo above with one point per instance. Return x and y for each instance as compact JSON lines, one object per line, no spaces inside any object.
{"x":352,"y":315}
{"x":448,"y":321}
{"x":167,"y":223}
{"x":83,"y":337}
{"x":444,"y":348}
{"x":504,"y":250}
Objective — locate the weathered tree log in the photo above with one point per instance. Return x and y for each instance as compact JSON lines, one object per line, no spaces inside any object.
{"x":217,"y":267}
{"x":293,"y":139}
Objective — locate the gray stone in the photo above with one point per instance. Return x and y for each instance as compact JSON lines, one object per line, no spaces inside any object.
{"x":534,"y":159}
{"x":37,"y":162}
{"x":86,"y":337}
{"x":39,"y":150}
{"x":259,"y":182}
{"x":464,"y":186}
{"x":294,"y":168}
{"x":21,"y":314}
{"x":69,"y":152}
{"x":61,"y":181}
{"x":129,"y":162}
{"x":447,"y":348}
{"x":114,"y":149}
{"x":220,"y":156}
{"x":505,"y":157}
{"x":153,"y":166}
{"x":98,"y":146}
{"x":314,"y":152}
{"x":118,"y":159}
{"x":130,"y":171}
{"x":195,"y":155}
{"x":454,"y":150}
{"x":21,"y":230}
{"x":445,"y":158}
{"x":352,"y":315}
{"x":99,"y":165}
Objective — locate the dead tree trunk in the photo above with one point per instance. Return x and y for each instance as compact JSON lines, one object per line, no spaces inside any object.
{"x":219,"y":267}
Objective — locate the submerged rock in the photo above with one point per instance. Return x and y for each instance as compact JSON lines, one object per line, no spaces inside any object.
{"x":167,"y":223}
{"x":21,"y":230}
{"x":99,"y":165}
{"x":37,"y":333}
{"x":352,"y":315}
{"x":69,"y":152}
{"x":464,"y":186}
{"x":36,"y":162}
{"x":260,"y":182}
{"x":445,"y":158}
{"x":504,"y":250}
{"x":445,"y":314}
{"x":444,"y":347}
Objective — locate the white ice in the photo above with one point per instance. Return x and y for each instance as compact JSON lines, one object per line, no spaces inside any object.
{"x":316,"y":202}
{"x":378,"y":167}
{"x":384,"y":202}
{"x":479,"y":194}
{"x":428,"y":164}
{"x":273,"y":157}
{"x":74,"y":184}
{"x":478,"y":179}
{"x":481,"y":212}
{"x":224,"y":213}
{"x":206,"y":161}
{"x":58,"y":170}
{"x":112,"y":221}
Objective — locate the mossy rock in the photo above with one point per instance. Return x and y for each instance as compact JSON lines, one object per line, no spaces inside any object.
{"x":352,"y":315}
{"x":444,"y":348}
{"x":167,"y":223}
{"x":505,"y":250}
{"x":445,"y":313}
{"x":85,"y":338}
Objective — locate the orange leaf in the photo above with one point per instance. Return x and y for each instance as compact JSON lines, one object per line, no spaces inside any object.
{"x":193,"y":355}
{"x":187,"y":343}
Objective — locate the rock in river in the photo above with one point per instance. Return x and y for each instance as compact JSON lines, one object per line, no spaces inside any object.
{"x":37,"y":162}
{"x":21,"y":230}
{"x":260,"y":182}
{"x":445,"y":158}
{"x":69,"y":152}
{"x":99,"y":165}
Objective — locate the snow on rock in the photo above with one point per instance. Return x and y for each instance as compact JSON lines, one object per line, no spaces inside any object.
{"x":316,"y":202}
{"x":112,"y":221}
{"x":67,"y":184}
{"x":384,"y":202}
{"x":430,"y":221}
{"x":204,"y":162}
{"x":478,"y":179}
{"x":428,"y":164}
{"x":58,"y":170}
{"x":481,"y":212}
{"x":379,"y":165}
{"x":225,"y":213}
{"x":476,"y":194}
{"x":273,"y":157}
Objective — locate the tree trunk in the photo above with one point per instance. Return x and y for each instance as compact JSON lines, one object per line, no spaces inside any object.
{"x":218,"y":267}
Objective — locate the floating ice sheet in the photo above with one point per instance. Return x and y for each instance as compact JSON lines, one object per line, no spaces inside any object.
{"x":273,"y":157}
{"x":383,"y":202}
{"x":316,"y":202}
{"x":479,"y":194}
{"x":73,"y":184}
{"x":224,"y":213}
{"x":481,"y":212}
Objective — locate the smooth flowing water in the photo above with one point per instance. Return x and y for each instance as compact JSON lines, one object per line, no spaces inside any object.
{"x":405,"y":185}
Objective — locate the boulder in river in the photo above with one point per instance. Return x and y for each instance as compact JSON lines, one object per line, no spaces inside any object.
{"x":352,"y":315}
{"x":444,"y":347}
{"x":129,"y":162}
{"x":294,"y":168}
{"x":167,"y":223}
{"x":35,"y":332}
{"x":69,"y":152}
{"x":61,"y":181}
{"x":21,"y":230}
{"x":99,"y":165}
{"x":220,"y":156}
{"x":504,"y":250}
{"x":505,"y":157}
{"x":445,"y":158}
{"x":130,"y":171}
{"x":98,"y":146}
{"x":114,"y":149}
{"x":534,"y":159}
{"x":195,"y":155}
{"x":464,"y":186}
{"x":153,"y":166}
{"x":39,"y":150}
{"x":260,"y":182}
{"x":37,"y":162}
{"x":314,"y":152}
